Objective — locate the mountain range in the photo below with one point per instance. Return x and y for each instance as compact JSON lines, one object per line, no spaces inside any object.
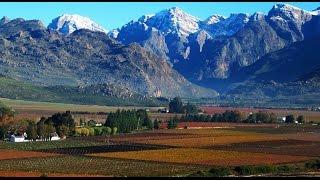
{"x":169,"y":53}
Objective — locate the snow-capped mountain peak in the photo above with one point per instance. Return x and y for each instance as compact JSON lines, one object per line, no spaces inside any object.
{"x":227,"y":26}
{"x":214,"y":19}
{"x":68,"y":23}
{"x":113,"y":33}
{"x":285,"y":7}
{"x":174,"y":20}
{"x":257,"y":16}
{"x":287,"y":11}
{"x":316,"y":11}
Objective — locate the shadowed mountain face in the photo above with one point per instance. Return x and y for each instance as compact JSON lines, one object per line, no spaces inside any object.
{"x":287,"y":64}
{"x":291,"y":71}
{"x":40,"y":56}
{"x":209,"y":52}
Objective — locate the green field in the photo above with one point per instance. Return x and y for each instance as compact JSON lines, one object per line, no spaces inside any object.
{"x":49,"y":106}
{"x":15,"y":89}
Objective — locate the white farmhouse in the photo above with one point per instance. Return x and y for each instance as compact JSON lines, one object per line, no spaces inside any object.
{"x":55,"y":137}
{"x":14,"y":138}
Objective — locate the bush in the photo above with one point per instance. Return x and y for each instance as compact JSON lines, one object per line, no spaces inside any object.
{"x":82,"y":131}
{"x":91,"y":131}
{"x":97,"y":131}
{"x":284,"y":169}
{"x":114,"y":130}
{"x":264,"y":169}
{"x":250,"y":170}
{"x":173,"y":123}
{"x":313,"y":164}
{"x":219,"y":171}
{"x":245,"y":170}
{"x":156,"y":124}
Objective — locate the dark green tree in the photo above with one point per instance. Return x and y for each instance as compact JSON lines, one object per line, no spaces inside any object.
{"x":66,"y":119}
{"x":6,"y":114}
{"x":62,"y":130}
{"x":300,"y":119}
{"x":41,"y":128}
{"x":91,"y":123}
{"x":190,"y":108}
{"x":262,"y":117}
{"x":173,"y":123}
{"x":156,"y":124}
{"x":3,"y":131}
{"x":49,"y":129}
{"x":32,"y":131}
{"x":176,"y":106}
{"x":290,"y":119}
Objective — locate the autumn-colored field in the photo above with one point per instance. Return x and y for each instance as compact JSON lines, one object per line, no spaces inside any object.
{"x":176,"y":137}
{"x":206,"y":141}
{"x":215,"y":125}
{"x":13,"y":154}
{"x":90,"y":165}
{"x":208,"y":137}
{"x":39,"y":174}
{"x":285,"y":147}
{"x":203,"y":157}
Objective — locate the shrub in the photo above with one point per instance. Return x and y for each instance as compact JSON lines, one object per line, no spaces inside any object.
{"x":108,"y":130}
{"x":245,"y":170}
{"x":219,"y":171}
{"x":284,"y":169}
{"x":114,"y":130}
{"x":84,"y":131}
{"x":91,"y":131}
{"x":313,"y":164}
{"x":97,"y":131}
{"x":264,"y":169}
{"x":156,"y":124}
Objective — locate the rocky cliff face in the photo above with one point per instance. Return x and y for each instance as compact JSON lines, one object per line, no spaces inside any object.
{"x":41,"y":56}
{"x":217,"y":47}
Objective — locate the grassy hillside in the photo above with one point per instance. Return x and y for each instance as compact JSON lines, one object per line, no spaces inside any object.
{"x":13,"y":89}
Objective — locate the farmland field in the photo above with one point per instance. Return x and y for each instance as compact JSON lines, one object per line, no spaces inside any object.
{"x":13,"y":154}
{"x":164,"y":152}
{"x":203,"y":157}
{"x":96,"y":166}
{"x":161,"y":152}
{"x":35,"y":110}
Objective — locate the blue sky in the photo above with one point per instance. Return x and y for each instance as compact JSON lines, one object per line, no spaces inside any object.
{"x":112,"y":15}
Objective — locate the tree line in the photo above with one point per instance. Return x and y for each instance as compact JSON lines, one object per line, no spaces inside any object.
{"x":176,"y":106}
{"x":129,"y":120}
{"x":236,"y":116}
{"x":61,"y":123}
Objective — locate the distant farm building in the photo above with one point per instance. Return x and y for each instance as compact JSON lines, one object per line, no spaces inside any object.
{"x":22,"y":138}
{"x":14,"y":138}
{"x":55,"y":137}
{"x":165,"y":110}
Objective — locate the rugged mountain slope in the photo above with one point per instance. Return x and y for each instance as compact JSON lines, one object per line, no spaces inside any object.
{"x":291,"y":71}
{"x":282,"y":26}
{"x":171,"y":26}
{"x":95,"y":94}
{"x":287,"y":64}
{"x":45,"y":57}
{"x":212,"y":50}
{"x":68,"y":23}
